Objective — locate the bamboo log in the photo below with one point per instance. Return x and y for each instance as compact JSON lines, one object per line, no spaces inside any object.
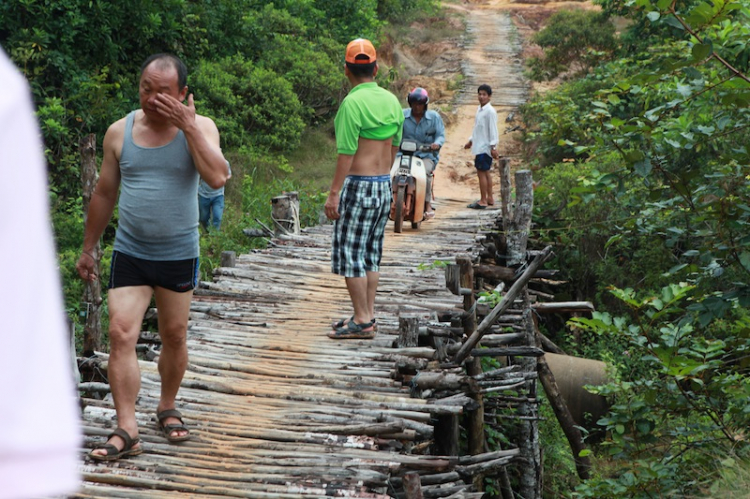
{"x":506,"y":274}
{"x":444,"y":381}
{"x":507,"y":300}
{"x":564,"y":306}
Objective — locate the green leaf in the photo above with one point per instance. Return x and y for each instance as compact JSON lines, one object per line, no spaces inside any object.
{"x":674,"y":23}
{"x":633,"y":156}
{"x":745,"y":259}
{"x":701,"y":51}
{"x":643,"y":168}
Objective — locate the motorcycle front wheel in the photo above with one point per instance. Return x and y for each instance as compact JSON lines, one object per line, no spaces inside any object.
{"x":398,"y":216}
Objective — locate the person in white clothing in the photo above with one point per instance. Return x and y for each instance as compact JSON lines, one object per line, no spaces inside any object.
{"x":483,"y":144}
{"x":40,"y":431}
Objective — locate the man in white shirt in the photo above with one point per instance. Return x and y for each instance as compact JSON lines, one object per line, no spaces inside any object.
{"x":483,"y":144}
{"x":40,"y":431}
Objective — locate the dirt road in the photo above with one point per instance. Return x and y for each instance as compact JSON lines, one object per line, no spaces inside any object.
{"x":490,"y":55}
{"x":492,"y":51}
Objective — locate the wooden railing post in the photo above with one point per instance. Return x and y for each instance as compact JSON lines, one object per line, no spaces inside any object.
{"x":92,"y":292}
{"x":285,"y":213}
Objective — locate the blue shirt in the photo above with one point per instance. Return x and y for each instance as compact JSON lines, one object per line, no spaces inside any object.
{"x":208,"y":192}
{"x":429,"y":130}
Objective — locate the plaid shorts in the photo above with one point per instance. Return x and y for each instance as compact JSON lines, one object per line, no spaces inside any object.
{"x":357,"y":243}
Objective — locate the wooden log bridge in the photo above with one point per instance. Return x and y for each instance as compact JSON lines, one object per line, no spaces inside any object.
{"x":279,"y":410}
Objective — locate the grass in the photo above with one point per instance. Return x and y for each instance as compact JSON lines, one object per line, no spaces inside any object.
{"x":257,"y":180}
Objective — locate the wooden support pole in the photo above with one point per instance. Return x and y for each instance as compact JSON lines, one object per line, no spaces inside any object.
{"x":412,"y":486}
{"x":475,"y":418}
{"x":92,"y":291}
{"x":408,"y":332}
{"x":564,"y":417}
{"x":501,"y":307}
{"x":518,"y":230}
{"x":285,"y":213}
{"x":228,"y":258}
{"x":530,"y":479}
{"x":505,"y":192}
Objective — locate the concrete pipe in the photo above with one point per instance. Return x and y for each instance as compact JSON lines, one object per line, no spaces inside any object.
{"x":571,"y":375}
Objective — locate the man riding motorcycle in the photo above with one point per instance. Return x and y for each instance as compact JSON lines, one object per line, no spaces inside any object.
{"x":424,"y":127}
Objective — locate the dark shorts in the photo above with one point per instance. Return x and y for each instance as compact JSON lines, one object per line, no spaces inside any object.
{"x":357,"y":242}
{"x":483,"y":162}
{"x":174,"y":275}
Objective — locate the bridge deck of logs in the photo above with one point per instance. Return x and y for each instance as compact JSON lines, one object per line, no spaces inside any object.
{"x":279,"y":410}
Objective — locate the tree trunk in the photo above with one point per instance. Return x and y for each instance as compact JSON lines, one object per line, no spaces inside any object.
{"x":92,"y":291}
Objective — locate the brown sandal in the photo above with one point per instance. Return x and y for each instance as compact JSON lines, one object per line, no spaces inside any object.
{"x":168,"y":429}
{"x":113,"y":453}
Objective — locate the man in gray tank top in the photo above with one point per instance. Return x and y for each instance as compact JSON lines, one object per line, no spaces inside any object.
{"x":153,"y":157}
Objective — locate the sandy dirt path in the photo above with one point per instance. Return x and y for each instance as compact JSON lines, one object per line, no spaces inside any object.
{"x":492,"y":56}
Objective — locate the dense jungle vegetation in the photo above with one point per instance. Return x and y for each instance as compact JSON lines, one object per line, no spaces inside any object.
{"x":640,"y":156}
{"x":644,"y":189}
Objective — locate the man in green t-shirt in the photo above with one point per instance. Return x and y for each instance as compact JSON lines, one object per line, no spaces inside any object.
{"x":368,"y":132}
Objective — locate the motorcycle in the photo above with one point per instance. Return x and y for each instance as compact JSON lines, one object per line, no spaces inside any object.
{"x":409,"y":183}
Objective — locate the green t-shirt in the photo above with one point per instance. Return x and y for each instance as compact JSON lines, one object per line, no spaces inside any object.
{"x":369,"y":112}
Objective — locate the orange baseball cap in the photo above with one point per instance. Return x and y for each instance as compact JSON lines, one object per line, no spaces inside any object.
{"x":360,"y":47}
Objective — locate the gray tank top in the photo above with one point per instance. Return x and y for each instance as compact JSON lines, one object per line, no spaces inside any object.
{"x":158,"y":207}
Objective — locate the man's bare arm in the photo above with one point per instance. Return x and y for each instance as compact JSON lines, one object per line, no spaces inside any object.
{"x":103,"y":199}
{"x":343,"y":165}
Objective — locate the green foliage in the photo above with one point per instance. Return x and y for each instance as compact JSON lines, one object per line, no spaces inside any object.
{"x":253,"y":107}
{"x":347,"y":20}
{"x":689,"y":403}
{"x":435,"y":264}
{"x":406,"y":10}
{"x":559,"y":465}
{"x":557,"y":123}
{"x":574,"y":41}
{"x":654,"y":189}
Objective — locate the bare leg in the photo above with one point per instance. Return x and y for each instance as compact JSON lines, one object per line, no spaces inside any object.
{"x":126,"y":308}
{"x":488,"y":186}
{"x":358,"y":288}
{"x":373,"y":278}
{"x":174,"y":310}
{"x":482,"y":188}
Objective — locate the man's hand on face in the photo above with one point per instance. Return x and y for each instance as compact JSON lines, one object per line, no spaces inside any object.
{"x":179,"y":114}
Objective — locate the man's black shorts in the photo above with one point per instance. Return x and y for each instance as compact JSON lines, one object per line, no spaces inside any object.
{"x":175,"y":275}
